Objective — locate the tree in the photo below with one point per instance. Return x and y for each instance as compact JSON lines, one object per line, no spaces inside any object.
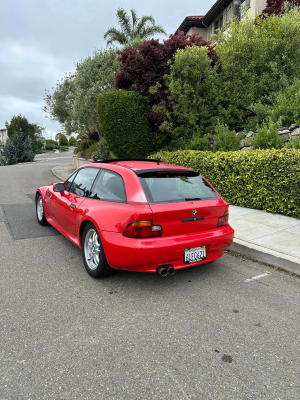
{"x":144,"y":70}
{"x":190,"y":84}
{"x":73,"y":101}
{"x":133,"y":30}
{"x":258,"y":61}
{"x":19,"y":148}
{"x":63,"y":140}
{"x":72,"y":141}
{"x":21,"y":125}
{"x":276,"y":7}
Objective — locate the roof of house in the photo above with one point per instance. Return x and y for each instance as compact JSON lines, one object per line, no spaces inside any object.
{"x":205,"y":20}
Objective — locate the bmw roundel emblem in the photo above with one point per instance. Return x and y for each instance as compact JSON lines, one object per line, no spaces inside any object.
{"x":195,"y":212}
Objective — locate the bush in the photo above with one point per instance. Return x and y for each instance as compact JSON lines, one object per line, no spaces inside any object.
{"x":287,"y":107}
{"x":63,"y":148}
{"x":93,"y":136}
{"x":103,"y":152}
{"x":50,"y":146}
{"x":226,"y":140}
{"x":267,"y":137}
{"x":124,"y":125}
{"x":294,"y":142}
{"x":267,"y":180}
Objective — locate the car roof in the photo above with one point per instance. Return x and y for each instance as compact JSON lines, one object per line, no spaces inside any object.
{"x":141,"y":164}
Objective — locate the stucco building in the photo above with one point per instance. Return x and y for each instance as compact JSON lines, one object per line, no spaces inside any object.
{"x":3,"y":136}
{"x":218,"y":16}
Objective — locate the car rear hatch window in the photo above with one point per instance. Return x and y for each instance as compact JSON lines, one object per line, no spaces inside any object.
{"x":175,"y":186}
{"x":182,"y":201}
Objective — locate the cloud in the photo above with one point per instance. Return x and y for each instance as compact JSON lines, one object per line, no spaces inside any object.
{"x":42,"y":40}
{"x":25,"y":74}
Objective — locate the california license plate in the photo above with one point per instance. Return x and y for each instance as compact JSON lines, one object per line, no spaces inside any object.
{"x":195,"y":254}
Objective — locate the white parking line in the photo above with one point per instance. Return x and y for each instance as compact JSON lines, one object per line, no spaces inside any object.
{"x":257,"y":277}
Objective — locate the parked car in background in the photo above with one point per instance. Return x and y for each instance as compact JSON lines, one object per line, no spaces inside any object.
{"x":137,"y":215}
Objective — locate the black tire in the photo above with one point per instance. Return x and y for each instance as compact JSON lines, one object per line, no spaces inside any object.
{"x":39,"y":209}
{"x":93,"y":255}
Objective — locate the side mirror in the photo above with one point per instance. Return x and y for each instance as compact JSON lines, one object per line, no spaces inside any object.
{"x":59,"y":187}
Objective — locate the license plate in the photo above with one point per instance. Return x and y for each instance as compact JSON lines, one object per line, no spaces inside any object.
{"x":195,"y":254}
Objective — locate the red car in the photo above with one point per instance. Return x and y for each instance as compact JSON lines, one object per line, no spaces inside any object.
{"x":137,"y":215}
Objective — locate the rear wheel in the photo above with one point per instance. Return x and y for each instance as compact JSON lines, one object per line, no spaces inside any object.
{"x":93,"y":253}
{"x":40,"y":212}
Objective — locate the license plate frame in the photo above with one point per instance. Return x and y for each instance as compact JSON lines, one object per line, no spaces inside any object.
{"x":195,"y":254}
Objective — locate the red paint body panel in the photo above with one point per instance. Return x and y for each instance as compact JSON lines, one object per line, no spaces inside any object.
{"x":145,"y":255}
{"x":111,"y":219}
{"x":170,"y":216}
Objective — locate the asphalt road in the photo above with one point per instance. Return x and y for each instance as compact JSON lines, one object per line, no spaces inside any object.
{"x":209,"y":332}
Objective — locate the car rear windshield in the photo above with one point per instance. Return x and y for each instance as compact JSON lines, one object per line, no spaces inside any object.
{"x":172,"y":187}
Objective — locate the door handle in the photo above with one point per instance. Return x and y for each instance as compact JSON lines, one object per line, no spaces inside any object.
{"x":72,"y":205}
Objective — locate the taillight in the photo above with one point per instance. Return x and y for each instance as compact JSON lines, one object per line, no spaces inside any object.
{"x":142,"y":229}
{"x":223,"y":220}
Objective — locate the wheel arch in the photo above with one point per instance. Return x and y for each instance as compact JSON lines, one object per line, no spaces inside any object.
{"x":83,"y":224}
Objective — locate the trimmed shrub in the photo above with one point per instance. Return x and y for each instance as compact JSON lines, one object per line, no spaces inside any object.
{"x":267,"y":180}
{"x":50,"y":146}
{"x":124,"y":125}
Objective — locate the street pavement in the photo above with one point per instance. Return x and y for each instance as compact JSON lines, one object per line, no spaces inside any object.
{"x":270,"y":238}
{"x":228,"y":330}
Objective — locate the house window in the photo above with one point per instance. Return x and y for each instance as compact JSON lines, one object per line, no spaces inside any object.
{"x":226,"y":15}
{"x":219,"y":23}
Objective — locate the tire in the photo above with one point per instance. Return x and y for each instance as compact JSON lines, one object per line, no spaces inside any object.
{"x":93,"y":253}
{"x":40,"y":212}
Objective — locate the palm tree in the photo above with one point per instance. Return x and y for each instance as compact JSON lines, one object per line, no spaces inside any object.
{"x":134,"y":30}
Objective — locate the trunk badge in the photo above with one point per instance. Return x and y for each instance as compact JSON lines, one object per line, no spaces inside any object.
{"x":195,"y":212}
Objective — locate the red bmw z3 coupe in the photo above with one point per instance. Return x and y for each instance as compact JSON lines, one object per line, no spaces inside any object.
{"x":137,"y":215}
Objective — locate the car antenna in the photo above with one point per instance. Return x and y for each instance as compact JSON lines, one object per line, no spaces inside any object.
{"x":158,"y":161}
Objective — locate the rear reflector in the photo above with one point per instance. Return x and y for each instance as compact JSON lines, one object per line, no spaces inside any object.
{"x":142,"y":229}
{"x":223,"y":220}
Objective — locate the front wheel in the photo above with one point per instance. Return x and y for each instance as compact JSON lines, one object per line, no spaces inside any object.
{"x":40,"y":212}
{"x":93,"y":253}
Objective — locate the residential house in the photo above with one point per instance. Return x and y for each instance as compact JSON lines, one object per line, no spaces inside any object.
{"x":219,"y":15}
{"x":3,"y":136}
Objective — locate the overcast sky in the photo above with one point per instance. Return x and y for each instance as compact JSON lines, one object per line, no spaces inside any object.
{"x":41,"y":40}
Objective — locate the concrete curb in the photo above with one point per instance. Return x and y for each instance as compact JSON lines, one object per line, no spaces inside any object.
{"x":56,"y":174}
{"x":268,"y":256}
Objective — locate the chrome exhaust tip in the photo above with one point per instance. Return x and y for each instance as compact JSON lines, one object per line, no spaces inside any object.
{"x":171,"y":270}
{"x":162,"y":271}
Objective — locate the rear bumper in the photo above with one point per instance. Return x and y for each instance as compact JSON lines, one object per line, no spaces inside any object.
{"x":145,"y":255}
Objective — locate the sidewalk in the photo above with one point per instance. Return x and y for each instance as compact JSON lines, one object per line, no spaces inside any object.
{"x":270,"y":238}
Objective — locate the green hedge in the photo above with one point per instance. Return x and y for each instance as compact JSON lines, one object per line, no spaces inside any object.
{"x":124,"y":125}
{"x":267,"y":180}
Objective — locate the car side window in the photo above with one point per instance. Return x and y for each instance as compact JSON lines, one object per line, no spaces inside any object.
{"x":83,"y":181}
{"x":109,"y":186}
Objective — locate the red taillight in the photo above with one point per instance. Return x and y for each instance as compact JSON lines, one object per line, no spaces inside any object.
{"x":142,"y":229}
{"x":223,"y":220}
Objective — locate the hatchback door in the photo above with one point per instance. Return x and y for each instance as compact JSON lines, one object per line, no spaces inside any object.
{"x":182,"y":201}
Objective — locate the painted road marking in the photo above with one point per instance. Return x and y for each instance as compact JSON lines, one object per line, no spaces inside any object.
{"x":255,"y":278}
